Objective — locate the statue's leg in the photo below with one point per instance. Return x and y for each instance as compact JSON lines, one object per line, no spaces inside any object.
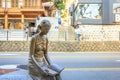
{"x":47,"y":78}
{"x":58,"y":77}
{"x":51,"y":78}
{"x":35,"y":77}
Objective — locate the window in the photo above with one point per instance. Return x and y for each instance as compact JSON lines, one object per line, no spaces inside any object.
{"x":9,"y":4}
{"x":116,"y":11}
{"x":88,"y":11}
{"x":31,"y":3}
{"x":20,"y":4}
{"x":14,"y":3}
{"x":27,"y":3}
{"x":3,"y":3}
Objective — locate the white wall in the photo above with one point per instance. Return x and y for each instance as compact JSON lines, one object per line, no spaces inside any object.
{"x":101,"y":32}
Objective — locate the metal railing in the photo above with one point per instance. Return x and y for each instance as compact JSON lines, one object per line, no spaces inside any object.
{"x":11,"y":35}
{"x":22,"y":35}
{"x":32,"y":7}
{"x":96,"y":33}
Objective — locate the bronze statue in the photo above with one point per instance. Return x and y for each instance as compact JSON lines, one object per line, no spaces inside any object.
{"x":40,"y":67}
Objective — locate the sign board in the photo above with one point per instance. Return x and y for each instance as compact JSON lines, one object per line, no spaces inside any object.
{"x":118,"y":0}
{"x":59,"y":20}
{"x":117,"y":17}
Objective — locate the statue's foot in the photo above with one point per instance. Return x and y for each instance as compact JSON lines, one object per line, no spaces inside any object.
{"x":35,"y":77}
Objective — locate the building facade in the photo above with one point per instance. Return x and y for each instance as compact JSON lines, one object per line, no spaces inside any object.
{"x":16,"y":14}
{"x":96,"y":12}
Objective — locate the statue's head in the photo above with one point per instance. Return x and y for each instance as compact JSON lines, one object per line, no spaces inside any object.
{"x":44,"y":27}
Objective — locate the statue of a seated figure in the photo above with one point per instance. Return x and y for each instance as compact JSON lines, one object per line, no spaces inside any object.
{"x":40,"y":67}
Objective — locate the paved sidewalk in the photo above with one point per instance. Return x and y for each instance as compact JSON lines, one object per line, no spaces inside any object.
{"x":78,"y":66}
{"x":22,"y":74}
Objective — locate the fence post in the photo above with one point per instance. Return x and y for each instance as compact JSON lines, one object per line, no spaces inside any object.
{"x":119,"y":35}
{"x":7,"y":34}
{"x":65,"y":35}
{"x":27,"y":36}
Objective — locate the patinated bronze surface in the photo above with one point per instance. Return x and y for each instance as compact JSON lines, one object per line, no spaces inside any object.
{"x":39,"y":63}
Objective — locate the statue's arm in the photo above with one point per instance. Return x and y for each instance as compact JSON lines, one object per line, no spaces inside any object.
{"x":46,"y":54}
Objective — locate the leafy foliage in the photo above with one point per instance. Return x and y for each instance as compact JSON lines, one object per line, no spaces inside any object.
{"x":63,"y":13}
{"x":59,"y":4}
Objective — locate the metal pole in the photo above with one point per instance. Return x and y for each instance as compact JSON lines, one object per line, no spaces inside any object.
{"x":7,"y":34}
{"x":27,"y":36}
{"x":65,"y":36}
{"x":119,"y":35}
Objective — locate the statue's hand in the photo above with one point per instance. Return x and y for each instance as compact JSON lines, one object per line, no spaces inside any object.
{"x":46,"y":71}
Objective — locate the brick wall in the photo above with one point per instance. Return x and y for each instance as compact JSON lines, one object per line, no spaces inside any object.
{"x":63,"y":46}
